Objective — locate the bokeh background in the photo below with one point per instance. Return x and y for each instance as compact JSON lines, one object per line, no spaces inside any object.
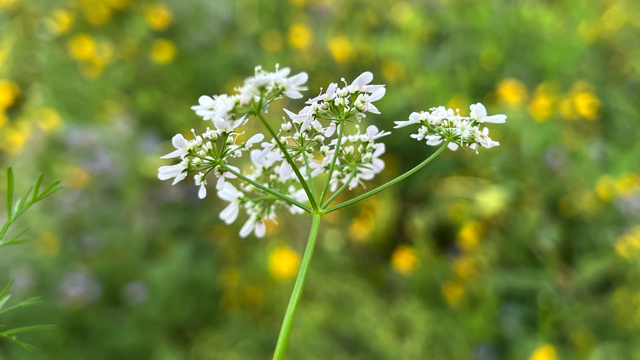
{"x":526,"y":251}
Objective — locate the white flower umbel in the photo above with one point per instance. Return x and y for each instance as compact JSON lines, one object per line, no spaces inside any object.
{"x":440,"y":125}
{"x":312,"y":156}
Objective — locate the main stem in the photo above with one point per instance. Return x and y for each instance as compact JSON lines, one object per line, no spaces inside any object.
{"x":285,"y":331}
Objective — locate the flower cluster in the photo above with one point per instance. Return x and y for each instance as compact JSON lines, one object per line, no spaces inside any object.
{"x":441,"y":124}
{"x":324,"y":137}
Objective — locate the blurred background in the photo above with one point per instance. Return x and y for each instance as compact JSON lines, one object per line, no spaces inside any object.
{"x":527,"y":251}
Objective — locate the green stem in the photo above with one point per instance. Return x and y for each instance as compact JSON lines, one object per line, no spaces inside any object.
{"x":344,"y":186}
{"x":285,"y":331}
{"x":284,"y":150}
{"x":306,"y":164}
{"x":268,"y":190}
{"x":390,"y":183}
{"x":336,"y":152}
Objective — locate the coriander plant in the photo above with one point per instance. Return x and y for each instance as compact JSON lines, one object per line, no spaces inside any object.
{"x":313,"y":155}
{"x":13,"y":213}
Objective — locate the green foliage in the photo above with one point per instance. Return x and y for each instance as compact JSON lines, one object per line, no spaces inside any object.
{"x":13,"y":212}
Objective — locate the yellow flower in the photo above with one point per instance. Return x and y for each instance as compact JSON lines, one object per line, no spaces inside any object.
{"x":606,"y":188}
{"x":587,"y":105}
{"x":300,"y":36}
{"x":362,"y":227}
{"x":47,"y":244}
{"x":48,"y":119}
{"x":453,"y":293}
{"x":283,"y":263}
{"x":96,"y":13}
{"x":15,"y":137}
{"x":158,"y":16}
{"x":393,"y":71}
{"x":77,"y":177}
{"x":512,"y":91}
{"x":60,"y":21}
{"x":9,"y":91}
{"x":404,"y":259}
{"x":7,"y":3}
{"x":340,"y":49}
{"x":544,"y":352}
{"x":163,"y":51}
{"x":627,"y":184}
{"x":568,"y":109}
{"x":82,"y":46}
{"x":464,"y":267}
{"x":541,"y":106}
{"x":470,"y":235}
{"x":271,"y":41}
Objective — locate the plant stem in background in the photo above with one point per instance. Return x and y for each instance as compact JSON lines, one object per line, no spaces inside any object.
{"x":285,"y":331}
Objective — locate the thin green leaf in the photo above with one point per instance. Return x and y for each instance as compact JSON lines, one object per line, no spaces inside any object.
{"x":49,"y":190}
{"x":4,"y":300}
{"x":15,"y":238}
{"x":9,"y":191}
{"x":15,"y":242}
{"x":6,"y":288}
{"x":25,"y":346}
{"x":26,"y":196}
{"x":29,"y":302}
{"x":37,"y":187}
{"x":27,"y":329}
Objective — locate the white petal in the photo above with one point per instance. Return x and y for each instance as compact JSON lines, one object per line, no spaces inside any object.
{"x":401,"y":124}
{"x":362,"y":80}
{"x":230,"y":213}
{"x":247,"y":228}
{"x":173,"y":154}
{"x":261,"y":229}
{"x":495,"y":119}
{"x":377,"y":95}
{"x":285,"y":170}
{"x":452,"y":146}
{"x":179,"y":142}
{"x":256,"y":138}
{"x":202,"y":193}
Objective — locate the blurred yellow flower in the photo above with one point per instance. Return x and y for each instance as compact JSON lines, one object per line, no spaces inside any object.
{"x":627,"y":184}
{"x":587,"y":105}
{"x":48,"y":119}
{"x":628,"y":245}
{"x":464,"y":267}
{"x":104,"y":51}
{"x":453,"y":293}
{"x":15,"y":137}
{"x":158,"y":16}
{"x":459,"y":102}
{"x":47,"y":244}
{"x":606,"y":188}
{"x":470,"y":235}
{"x":96,"y":13}
{"x":393,"y":71}
{"x":361,"y":227}
{"x":82,"y":46}
{"x":300,"y":36}
{"x":163,"y":51}
{"x":340,"y":48}
{"x":60,"y":21}
{"x":77,"y":177}
{"x":614,"y":18}
{"x":404,"y":259}
{"x":544,"y":352}
{"x":589,"y":31}
{"x":118,"y":4}
{"x":7,"y":3}
{"x":271,"y":41}
{"x":512,"y":91}
{"x":543,"y":102}
{"x":9,"y":91}
{"x":283,"y":263}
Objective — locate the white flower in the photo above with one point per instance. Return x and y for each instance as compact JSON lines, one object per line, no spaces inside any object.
{"x":292,"y":86}
{"x":174,"y":171}
{"x":201,"y":181}
{"x":257,"y":226}
{"x":231,"y":194}
{"x":373,"y":133}
{"x":217,"y":107}
{"x":254,"y":139}
{"x":361,"y":84}
{"x":414,"y":118}
{"x":479,"y":113}
{"x":228,"y":126}
{"x":364,"y":101}
{"x":328,"y":96}
{"x":180,"y":143}
{"x":298,"y":195}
